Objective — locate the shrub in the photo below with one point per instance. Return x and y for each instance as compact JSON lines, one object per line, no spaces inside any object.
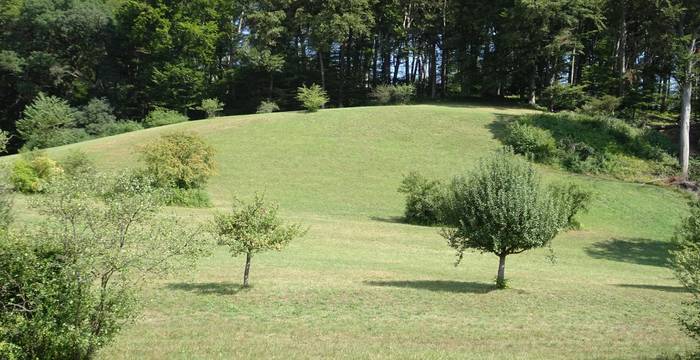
{"x":685,"y":261}
{"x":403,"y":94}
{"x":5,"y":206}
{"x":560,"y":97}
{"x":43,"y":118}
{"x":605,"y":105}
{"x":267,"y":107}
{"x":423,"y":199}
{"x":211,"y":106}
{"x":531,"y":141}
{"x":573,"y":200}
{"x":4,"y":140}
{"x":382,"y":94}
{"x":501,"y":208}
{"x":253,"y":228}
{"x":312,"y":98}
{"x":162,"y":117}
{"x":192,"y":198}
{"x":116,"y":127}
{"x":61,"y":137}
{"x":94,"y":115}
{"x":77,"y":164}
{"x":33,"y":171}
{"x":179,"y":160}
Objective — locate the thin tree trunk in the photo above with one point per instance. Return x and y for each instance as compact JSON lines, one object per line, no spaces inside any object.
{"x":246,"y":272}
{"x":500,"y":280}
{"x":572,"y":74}
{"x":686,"y":111}
{"x":433,"y":70}
{"x":323,"y":72}
{"x":622,"y":47}
{"x":533,"y":88}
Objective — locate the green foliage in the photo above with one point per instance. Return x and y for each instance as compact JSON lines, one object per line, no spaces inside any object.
{"x":211,"y":106}
{"x":597,"y":145}
{"x":253,"y":228}
{"x":560,"y":97}
{"x":573,"y":200}
{"x":95,"y":115}
{"x":161,"y":117}
{"x":179,"y":160}
{"x":312,"y":98}
{"x":191,"y":198}
{"x":46,"y":122}
{"x":4,"y":140}
{"x":77,"y":164}
{"x":70,"y":287}
{"x":686,"y":267}
{"x":424,"y":199}
{"x":267,"y":107}
{"x":605,"y":105}
{"x":531,"y":141}
{"x":501,"y":208}
{"x":397,"y":94}
{"x":6,"y":202}
{"x":115,"y":128}
{"x":33,"y":171}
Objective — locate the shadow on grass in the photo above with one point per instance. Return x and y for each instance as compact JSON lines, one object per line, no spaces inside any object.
{"x":390,"y":219}
{"x":636,"y":251}
{"x":438,"y":285}
{"x":224,"y":288}
{"x":678,"y":289}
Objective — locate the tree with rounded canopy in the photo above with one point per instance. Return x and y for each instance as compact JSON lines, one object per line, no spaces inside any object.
{"x":501,"y":208}
{"x":253,"y":228}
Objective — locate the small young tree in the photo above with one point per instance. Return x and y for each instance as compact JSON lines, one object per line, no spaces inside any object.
{"x":44,"y":119}
{"x":501,"y":208}
{"x":179,"y":160}
{"x":211,"y":106}
{"x":686,"y":266}
{"x":313,"y":98}
{"x":253,"y":228}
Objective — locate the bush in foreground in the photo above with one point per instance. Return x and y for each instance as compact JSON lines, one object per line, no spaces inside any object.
{"x":33,"y":171}
{"x":312,"y":98}
{"x":501,"y":208}
{"x":424,"y":198}
{"x":253,"y":228}
{"x":67,"y":289}
{"x":686,"y":267}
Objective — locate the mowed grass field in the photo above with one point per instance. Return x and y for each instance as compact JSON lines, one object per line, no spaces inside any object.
{"x":361,"y":285}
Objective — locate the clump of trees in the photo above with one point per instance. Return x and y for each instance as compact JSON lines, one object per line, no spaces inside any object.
{"x":502,"y":208}
{"x":253,"y":228}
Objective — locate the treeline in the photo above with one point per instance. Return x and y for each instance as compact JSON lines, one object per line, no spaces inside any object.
{"x":142,"y":54}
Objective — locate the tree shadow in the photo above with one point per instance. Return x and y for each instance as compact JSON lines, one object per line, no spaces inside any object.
{"x":389,"y":219}
{"x":636,"y":251}
{"x":460,"y":287}
{"x":223,"y":288}
{"x":677,"y":289}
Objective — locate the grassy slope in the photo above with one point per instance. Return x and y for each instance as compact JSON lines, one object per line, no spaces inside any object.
{"x":362,"y":286}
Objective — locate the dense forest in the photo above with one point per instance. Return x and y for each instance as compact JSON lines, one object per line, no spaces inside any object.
{"x":141,"y":54}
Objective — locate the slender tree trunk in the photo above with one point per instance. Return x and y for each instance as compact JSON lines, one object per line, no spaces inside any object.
{"x":686,"y":110}
{"x":533,"y":88}
{"x":572,"y":73}
{"x":500,"y":280}
{"x":433,"y":70}
{"x":622,"y":47}
{"x":246,"y":272}
{"x":375,"y":58}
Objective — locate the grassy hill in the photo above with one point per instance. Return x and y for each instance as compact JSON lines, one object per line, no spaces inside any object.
{"x":362,"y":285}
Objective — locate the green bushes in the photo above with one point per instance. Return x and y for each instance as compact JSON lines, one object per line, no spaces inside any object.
{"x":162,"y":117}
{"x":117,"y":127}
{"x":192,"y":198}
{"x":212,"y":107}
{"x":606,"y":105}
{"x":46,"y":122}
{"x":4,"y":140}
{"x":560,"y":97}
{"x":267,"y":107}
{"x":592,"y":144}
{"x":32,"y":172}
{"x":423,"y":199}
{"x":531,"y":141}
{"x":396,"y":94}
{"x":312,"y":98}
{"x":685,"y":261}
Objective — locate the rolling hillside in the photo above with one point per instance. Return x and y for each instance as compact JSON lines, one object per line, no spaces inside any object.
{"x":363,"y":285}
